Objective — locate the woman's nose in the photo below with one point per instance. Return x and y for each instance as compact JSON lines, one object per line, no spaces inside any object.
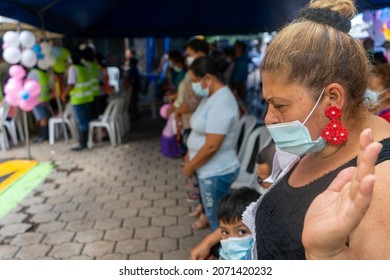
{"x":271,"y":116}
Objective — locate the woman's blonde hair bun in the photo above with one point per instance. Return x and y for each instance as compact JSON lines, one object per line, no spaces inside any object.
{"x":343,"y":7}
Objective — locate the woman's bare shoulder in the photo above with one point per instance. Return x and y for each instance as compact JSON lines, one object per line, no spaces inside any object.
{"x":371,"y":240}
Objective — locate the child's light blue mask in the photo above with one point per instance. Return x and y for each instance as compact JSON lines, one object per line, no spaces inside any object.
{"x":235,"y":248}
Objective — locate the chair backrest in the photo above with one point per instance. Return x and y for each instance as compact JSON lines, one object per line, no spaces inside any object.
{"x":111,"y":110}
{"x":246,"y":125}
{"x":258,"y":139}
{"x":152,"y":92}
{"x":4,"y":111}
{"x":17,"y":113}
{"x":68,"y":111}
{"x":113,"y":77}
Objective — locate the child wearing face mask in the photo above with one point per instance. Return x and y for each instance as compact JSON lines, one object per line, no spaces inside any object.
{"x":234,"y":237}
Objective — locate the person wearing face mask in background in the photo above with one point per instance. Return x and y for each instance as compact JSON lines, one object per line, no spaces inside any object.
{"x":175,"y":86}
{"x":178,"y":68}
{"x":211,"y":151}
{"x":185,"y":105}
{"x":195,"y":48}
{"x":380,"y":83}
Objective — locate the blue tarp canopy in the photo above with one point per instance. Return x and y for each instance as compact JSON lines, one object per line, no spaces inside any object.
{"x":135,"y":18}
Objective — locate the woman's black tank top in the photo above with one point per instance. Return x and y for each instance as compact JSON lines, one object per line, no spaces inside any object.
{"x":281,"y":213}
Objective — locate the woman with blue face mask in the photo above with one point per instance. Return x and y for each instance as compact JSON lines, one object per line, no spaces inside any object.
{"x":380,"y":84}
{"x":211,"y":151}
{"x":324,"y":204}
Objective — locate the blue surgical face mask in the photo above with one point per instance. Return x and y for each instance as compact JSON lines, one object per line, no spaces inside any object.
{"x":190,"y":60}
{"x":236,"y":248}
{"x":371,"y":97}
{"x":294,"y":137}
{"x":177,"y":69}
{"x":197,"y":88}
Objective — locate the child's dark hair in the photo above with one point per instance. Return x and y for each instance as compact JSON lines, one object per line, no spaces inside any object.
{"x":267,"y":155}
{"x":232,"y":206}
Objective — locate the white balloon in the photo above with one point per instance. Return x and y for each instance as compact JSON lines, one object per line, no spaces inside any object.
{"x":12,"y":55}
{"x":27,"y":39}
{"x":29,"y":58}
{"x":42,"y":64}
{"x":11,"y":38}
{"x":45,"y":48}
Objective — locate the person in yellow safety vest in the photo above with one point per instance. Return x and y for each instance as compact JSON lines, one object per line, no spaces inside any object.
{"x":90,"y":62}
{"x":41,"y":111}
{"x":81,"y":97}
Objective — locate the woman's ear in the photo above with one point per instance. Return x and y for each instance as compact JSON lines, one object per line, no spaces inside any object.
{"x":336,"y":95}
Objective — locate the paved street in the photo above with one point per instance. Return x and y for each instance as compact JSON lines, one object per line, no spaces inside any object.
{"x":126,"y":202}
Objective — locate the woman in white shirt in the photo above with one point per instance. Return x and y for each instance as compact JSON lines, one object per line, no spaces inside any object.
{"x":211,"y":153}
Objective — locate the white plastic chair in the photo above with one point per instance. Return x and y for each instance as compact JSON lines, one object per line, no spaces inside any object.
{"x":9,"y":124}
{"x":257,"y":141}
{"x":56,"y":122}
{"x":110,"y":121}
{"x":113,"y":77}
{"x":149,"y":99}
{"x":18,"y":119}
{"x":123,"y":113}
{"x":4,"y":145}
{"x":246,"y":125}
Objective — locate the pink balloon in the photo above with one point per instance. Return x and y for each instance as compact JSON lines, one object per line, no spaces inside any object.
{"x":12,"y":100}
{"x":32,"y":87}
{"x":15,"y":81}
{"x":26,"y":105}
{"x":13,"y":87}
{"x":164,"y":110}
{"x":17,"y":71}
{"x":4,"y":46}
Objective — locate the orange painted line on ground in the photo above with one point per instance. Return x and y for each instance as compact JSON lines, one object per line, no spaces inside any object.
{"x":16,"y":169}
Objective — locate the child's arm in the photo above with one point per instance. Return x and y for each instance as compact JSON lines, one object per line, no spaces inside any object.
{"x":202,"y":250}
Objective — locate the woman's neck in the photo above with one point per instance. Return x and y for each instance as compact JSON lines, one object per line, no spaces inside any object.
{"x":215,"y":86}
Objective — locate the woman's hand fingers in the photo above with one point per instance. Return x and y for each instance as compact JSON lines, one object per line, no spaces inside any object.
{"x":369,"y":151}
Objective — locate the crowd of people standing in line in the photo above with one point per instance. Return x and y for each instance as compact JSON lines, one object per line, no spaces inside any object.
{"x":329,"y":140}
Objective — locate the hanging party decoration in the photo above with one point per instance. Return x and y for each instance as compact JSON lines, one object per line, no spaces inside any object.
{"x":368,"y":16}
{"x":17,"y":72}
{"x":29,"y":58}
{"x":384,"y":14}
{"x":12,"y":55}
{"x":386,"y":30}
{"x":44,"y":54}
{"x":11,"y":39}
{"x":17,"y":48}
{"x":24,"y":94}
{"x":27,"y":39}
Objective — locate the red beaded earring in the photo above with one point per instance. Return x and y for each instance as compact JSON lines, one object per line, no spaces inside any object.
{"x":334,"y":132}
